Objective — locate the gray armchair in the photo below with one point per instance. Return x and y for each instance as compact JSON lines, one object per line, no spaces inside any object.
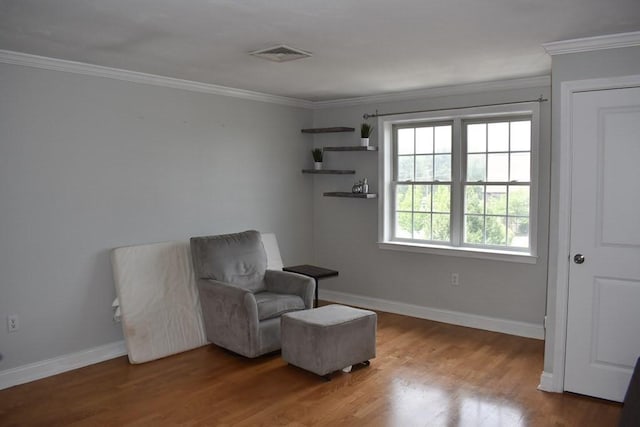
{"x":241,"y":300}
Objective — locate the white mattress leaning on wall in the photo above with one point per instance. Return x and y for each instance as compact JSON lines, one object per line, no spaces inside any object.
{"x":157,"y":298}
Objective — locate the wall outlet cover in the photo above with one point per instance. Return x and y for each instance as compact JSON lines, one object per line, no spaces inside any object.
{"x":455,"y":279}
{"x":12,"y":323}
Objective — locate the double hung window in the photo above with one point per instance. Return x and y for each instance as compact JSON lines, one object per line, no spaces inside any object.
{"x":497,"y":183}
{"x":463,"y":182}
{"x":422,"y":181}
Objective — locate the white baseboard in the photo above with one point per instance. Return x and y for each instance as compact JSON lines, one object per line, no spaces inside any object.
{"x":57,"y":365}
{"x":546,"y":383}
{"x":46,"y":368}
{"x":511,"y":327}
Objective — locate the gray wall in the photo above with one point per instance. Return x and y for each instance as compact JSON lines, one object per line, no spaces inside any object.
{"x":346,"y":230}
{"x":88,"y":164}
{"x":575,"y":66}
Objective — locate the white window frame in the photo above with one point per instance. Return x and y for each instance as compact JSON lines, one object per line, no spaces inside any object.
{"x":458,"y":117}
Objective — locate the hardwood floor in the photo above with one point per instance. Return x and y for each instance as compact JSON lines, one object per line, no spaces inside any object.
{"x":425,"y":374}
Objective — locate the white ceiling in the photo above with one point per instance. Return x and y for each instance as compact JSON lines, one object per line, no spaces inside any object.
{"x":360,"y":47}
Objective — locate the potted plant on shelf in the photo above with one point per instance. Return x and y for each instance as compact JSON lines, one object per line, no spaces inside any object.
{"x":365,"y":132}
{"x":317,"y":158}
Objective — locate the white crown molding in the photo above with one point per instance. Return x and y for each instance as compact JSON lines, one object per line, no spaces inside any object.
{"x":27,"y":60}
{"x":588,"y":44}
{"x":462,"y":89}
{"x":510,"y":327}
{"x":46,"y":368}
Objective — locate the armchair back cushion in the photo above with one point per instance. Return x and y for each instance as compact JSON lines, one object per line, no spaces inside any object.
{"x":237,"y":258}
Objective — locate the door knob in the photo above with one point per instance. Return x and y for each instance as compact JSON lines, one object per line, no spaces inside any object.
{"x":578,"y":258}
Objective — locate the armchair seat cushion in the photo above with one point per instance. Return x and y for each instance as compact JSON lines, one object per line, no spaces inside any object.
{"x":271,"y":304}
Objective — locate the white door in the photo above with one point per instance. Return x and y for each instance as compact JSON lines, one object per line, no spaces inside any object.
{"x":603,"y":323}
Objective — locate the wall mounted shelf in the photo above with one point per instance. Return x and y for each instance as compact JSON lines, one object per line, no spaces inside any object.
{"x":329,"y":171}
{"x":328,"y":130}
{"x":352,"y":148}
{"x":356,"y":148}
{"x":351,"y":195}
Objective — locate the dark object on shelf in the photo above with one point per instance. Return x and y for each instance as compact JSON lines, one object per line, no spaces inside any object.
{"x":631,"y":407}
{"x":312,"y":271}
{"x":351,"y":195}
{"x":366,"y":130}
{"x":352,"y":148}
{"x":360,"y":187}
{"x":328,"y":130}
{"x":330,"y":171}
{"x":317,"y":155}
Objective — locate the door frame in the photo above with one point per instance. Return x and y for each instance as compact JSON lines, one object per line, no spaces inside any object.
{"x":563,"y":237}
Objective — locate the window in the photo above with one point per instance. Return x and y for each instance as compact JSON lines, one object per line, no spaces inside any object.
{"x":464,"y":182}
{"x":422,"y":178}
{"x":497,"y":183}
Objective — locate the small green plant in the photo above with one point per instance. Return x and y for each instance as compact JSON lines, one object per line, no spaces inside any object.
{"x":317,"y":154}
{"x":366,"y":130}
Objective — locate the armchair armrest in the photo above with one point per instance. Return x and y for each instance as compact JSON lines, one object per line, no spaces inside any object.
{"x":284,"y":282}
{"x":230,"y":315}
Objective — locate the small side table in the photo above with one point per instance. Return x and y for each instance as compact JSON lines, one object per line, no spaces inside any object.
{"x":312,"y":271}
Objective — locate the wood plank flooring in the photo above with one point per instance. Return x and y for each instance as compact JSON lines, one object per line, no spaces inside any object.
{"x":425,"y":374}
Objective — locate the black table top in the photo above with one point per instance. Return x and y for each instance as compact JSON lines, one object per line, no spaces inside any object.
{"x":311,"y":271}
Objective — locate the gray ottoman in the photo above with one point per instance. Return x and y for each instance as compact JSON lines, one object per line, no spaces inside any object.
{"x":329,"y":338}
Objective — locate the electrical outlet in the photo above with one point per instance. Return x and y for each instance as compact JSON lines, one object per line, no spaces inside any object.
{"x":12,"y":323}
{"x":455,"y":279}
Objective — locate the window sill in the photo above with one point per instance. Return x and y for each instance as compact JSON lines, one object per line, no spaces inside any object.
{"x":488,"y":254}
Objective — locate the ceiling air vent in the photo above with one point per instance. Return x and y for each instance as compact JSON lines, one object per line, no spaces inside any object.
{"x":281,"y":53}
